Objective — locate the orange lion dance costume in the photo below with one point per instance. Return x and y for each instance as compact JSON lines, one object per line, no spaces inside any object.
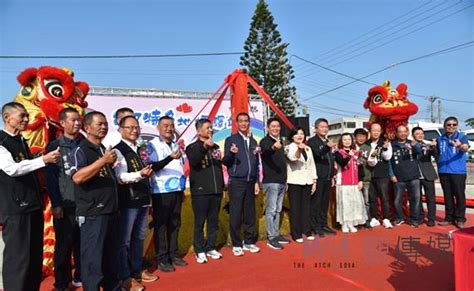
{"x":44,"y":92}
{"x":389,"y":107}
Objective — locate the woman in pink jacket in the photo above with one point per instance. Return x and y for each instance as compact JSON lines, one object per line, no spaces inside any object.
{"x":350,"y":207}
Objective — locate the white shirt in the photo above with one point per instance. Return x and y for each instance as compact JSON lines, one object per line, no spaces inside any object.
{"x":112,"y":139}
{"x":386,"y":155}
{"x":14,"y":169}
{"x":121,"y":168}
{"x":246,"y":139}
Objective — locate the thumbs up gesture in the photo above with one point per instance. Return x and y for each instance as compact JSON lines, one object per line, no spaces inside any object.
{"x":109,"y":156}
{"x":234,"y":149}
{"x":52,"y":157}
{"x":147,"y":171}
{"x":277,"y":145}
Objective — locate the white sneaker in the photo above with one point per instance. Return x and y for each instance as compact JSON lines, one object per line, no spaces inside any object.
{"x":374,"y":222}
{"x":352,"y":228}
{"x":237,"y":251}
{"x":345,"y":228}
{"x":201,"y":258}
{"x":251,"y":248}
{"x":214,"y":254}
{"x":387,"y":223}
{"x":76,"y":283}
{"x":310,"y":237}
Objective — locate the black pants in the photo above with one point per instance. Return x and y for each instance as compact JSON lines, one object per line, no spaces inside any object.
{"x":428,"y":187}
{"x":67,"y":235}
{"x":300,"y":204}
{"x":99,"y":252}
{"x":379,"y":188}
{"x":23,"y":252}
{"x":206,"y":207}
{"x":167,"y":220}
{"x":454,"y":186}
{"x":320,"y":205}
{"x":242,"y":203}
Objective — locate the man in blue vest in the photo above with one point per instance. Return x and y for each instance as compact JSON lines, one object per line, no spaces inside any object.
{"x":96,"y":205}
{"x":241,"y":158}
{"x":452,"y":148}
{"x":61,"y":193}
{"x":21,"y":215}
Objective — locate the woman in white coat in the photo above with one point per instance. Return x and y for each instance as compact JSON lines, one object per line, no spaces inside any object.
{"x":301,"y":184}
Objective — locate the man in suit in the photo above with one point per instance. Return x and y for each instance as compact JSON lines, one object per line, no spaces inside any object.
{"x":428,"y":174}
{"x":322,"y":148}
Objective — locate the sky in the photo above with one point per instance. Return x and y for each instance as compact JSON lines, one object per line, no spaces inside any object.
{"x":351,"y":37}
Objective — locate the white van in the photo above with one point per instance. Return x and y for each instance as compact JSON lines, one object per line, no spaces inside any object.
{"x":470,"y":135}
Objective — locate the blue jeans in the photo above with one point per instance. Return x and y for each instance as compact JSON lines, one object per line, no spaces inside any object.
{"x":413,"y":188}
{"x":274,"y":193}
{"x":133,"y":226}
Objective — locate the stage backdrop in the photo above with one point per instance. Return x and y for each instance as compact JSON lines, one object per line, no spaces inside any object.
{"x":149,"y":109}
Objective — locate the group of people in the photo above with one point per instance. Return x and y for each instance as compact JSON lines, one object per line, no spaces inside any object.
{"x":102,"y":189}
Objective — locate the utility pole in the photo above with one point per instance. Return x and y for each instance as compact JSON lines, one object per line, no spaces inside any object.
{"x":439,"y":110}
{"x":432,"y":99}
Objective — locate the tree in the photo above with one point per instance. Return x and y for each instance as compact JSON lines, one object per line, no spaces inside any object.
{"x":266,"y":61}
{"x":470,"y":122}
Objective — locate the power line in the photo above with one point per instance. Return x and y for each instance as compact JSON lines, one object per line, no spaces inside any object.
{"x":124,"y":56}
{"x":389,"y":41}
{"x":384,"y":25}
{"x":361,"y":79}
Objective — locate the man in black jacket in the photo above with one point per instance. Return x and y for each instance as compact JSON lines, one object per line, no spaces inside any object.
{"x":61,"y":193}
{"x":324,"y":159}
{"x":134,"y":199}
{"x":428,"y":174}
{"x":21,"y":215}
{"x":241,"y":158}
{"x":274,"y":181}
{"x":96,"y":205}
{"x":207,"y":184}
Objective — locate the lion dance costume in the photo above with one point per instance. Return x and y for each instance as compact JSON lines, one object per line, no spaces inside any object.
{"x":44,"y":92}
{"x":389,"y":107}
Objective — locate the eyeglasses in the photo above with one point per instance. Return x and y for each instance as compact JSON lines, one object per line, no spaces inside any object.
{"x":451,"y":124}
{"x":132,"y":128}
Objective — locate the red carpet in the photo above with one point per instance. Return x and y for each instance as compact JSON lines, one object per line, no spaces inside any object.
{"x":378,"y":259}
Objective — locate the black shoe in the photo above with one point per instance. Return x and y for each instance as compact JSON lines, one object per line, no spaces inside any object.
{"x":414,"y":224}
{"x":320,"y":233}
{"x":179,"y":262}
{"x":328,"y":230}
{"x":460,"y":224}
{"x":367,"y":225}
{"x":280,"y":239}
{"x":165,"y":267}
{"x":430,"y":223}
{"x":274,"y":244}
{"x":445,"y":222}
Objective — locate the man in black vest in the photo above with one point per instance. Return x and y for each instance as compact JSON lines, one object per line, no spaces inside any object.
{"x":405,"y":174}
{"x":134,"y":200}
{"x":21,"y":215}
{"x":61,"y":193}
{"x":96,"y":205}
{"x":324,"y":160}
{"x":428,"y":174}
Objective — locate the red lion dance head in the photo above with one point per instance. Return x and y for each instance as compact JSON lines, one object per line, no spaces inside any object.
{"x":389,"y":107}
{"x":44,"y":92}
